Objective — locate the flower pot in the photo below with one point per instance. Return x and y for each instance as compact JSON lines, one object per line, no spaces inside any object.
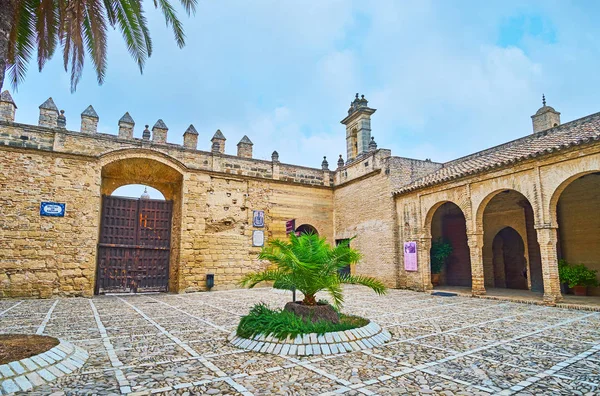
{"x":580,"y":290}
{"x":435,"y":279}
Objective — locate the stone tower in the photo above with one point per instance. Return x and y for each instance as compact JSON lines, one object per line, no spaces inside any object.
{"x":545,"y":118}
{"x":358,"y":128}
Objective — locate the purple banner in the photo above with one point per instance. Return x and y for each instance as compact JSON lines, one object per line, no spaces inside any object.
{"x":410,"y":256}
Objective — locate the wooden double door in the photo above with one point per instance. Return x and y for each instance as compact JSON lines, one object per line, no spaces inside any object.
{"x":134,"y":246}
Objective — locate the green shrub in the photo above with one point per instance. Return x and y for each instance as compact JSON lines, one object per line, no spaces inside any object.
{"x":281,"y":324}
{"x":309,"y":264}
{"x":576,"y":274}
{"x":440,"y":250}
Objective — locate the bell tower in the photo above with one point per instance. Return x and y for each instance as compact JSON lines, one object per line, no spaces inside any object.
{"x":358,"y":128}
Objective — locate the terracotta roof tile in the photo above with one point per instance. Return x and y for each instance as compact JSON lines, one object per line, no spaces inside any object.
{"x":581,"y":131}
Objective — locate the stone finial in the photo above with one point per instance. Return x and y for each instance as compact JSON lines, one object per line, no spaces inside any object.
{"x":244,"y":147}
{"x":216,"y":147}
{"x":325,"y":164}
{"x":146,"y":133}
{"x":190,"y":138}
{"x":372,"y":144}
{"x":61,"y":121}
{"x":159,"y":132}
{"x":220,"y":139}
{"x":48,"y":114}
{"x":543,"y":100}
{"x":7,"y":107}
{"x":89,"y":120}
{"x":275,"y":156}
{"x":340,"y":162}
{"x":126,"y":125}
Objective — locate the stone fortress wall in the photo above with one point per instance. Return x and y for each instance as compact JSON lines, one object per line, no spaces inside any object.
{"x":214,"y":195}
{"x":379,"y":200}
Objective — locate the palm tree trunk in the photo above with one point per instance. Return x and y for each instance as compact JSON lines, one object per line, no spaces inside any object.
{"x":310,"y":299}
{"x":7,"y":13}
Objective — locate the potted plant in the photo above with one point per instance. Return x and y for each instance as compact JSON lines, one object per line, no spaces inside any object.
{"x":563,"y":270}
{"x":440,"y":251}
{"x":310,"y":265}
{"x":579,"y":277}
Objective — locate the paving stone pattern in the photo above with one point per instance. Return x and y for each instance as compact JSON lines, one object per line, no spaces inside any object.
{"x":25,"y":374}
{"x":169,"y":344}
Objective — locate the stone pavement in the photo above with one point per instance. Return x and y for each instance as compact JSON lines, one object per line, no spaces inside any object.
{"x":176,"y":345}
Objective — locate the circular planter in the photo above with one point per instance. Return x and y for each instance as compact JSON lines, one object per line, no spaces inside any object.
{"x":25,"y":374}
{"x":365,"y":337}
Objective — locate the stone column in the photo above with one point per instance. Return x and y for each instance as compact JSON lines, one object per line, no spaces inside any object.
{"x":547,"y":238}
{"x":159,"y":132}
{"x":7,"y":107}
{"x":89,"y":120}
{"x":424,"y":262}
{"x":475,"y":242}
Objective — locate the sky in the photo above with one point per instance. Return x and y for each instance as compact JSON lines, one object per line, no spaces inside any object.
{"x":447,"y":78}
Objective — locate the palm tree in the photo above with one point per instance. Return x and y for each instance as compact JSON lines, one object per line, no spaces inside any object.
{"x":309,"y":264}
{"x":79,"y":26}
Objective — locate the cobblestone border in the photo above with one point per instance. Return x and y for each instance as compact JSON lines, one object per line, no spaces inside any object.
{"x":25,"y":374}
{"x":365,"y":337}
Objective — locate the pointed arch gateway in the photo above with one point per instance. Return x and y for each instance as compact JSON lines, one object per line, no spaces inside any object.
{"x":138,"y":246}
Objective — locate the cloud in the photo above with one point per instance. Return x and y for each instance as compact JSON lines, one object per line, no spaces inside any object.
{"x":442,"y":78}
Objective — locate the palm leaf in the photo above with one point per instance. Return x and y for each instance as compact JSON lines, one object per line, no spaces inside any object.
{"x":372,"y":283}
{"x":21,"y":42}
{"x":172,"y":20}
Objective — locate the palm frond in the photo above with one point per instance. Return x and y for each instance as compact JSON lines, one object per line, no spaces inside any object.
{"x":46,"y":30}
{"x":171,"y":20}
{"x":21,"y":42}
{"x":94,"y":28}
{"x":189,"y":6}
{"x":372,"y":283}
{"x":253,"y":279}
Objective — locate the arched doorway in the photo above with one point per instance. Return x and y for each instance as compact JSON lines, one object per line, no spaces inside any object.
{"x":508,"y":215}
{"x":578,"y":216}
{"x":448,"y":225}
{"x":510,"y":266}
{"x":138,"y":245}
{"x":138,"y":191}
{"x":306,"y":229}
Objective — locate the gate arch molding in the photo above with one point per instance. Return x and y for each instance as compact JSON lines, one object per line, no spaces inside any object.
{"x":157,"y":170}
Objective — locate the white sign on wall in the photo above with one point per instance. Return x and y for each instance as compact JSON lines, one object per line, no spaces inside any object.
{"x":258,"y":238}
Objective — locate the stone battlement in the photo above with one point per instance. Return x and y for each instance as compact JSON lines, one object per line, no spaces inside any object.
{"x":52,"y":135}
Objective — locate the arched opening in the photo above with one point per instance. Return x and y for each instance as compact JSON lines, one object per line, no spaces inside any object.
{"x":510,"y":266}
{"x":140,"y":226}
{"x":578,"y":216}
{"x":138,"y":191}
{"x":306,"y":229}
{"x":448,"y":225}
{"x":509,"y":214}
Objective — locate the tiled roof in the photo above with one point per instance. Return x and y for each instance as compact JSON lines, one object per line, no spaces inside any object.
{"x":581,"y":131}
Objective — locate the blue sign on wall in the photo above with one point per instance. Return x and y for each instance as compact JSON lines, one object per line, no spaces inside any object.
{"x":54,"y":209}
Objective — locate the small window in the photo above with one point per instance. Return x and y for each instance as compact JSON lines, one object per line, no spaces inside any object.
{"x":555,"y":125}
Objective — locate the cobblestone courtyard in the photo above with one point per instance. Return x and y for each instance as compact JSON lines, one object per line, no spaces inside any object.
{"x":176,"y":345}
